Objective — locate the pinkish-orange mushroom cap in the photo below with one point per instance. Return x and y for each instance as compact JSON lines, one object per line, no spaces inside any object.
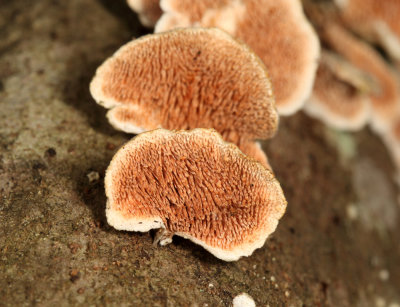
{"x":386,"y":101}
{"x":277,"y":31}
{"x":336,"y":99}
{"x":375,"y":20}
{"x":195,"y":185}
{"x":149,"y":11}
{"x":185,"y":79}
{"x":255,"y":151}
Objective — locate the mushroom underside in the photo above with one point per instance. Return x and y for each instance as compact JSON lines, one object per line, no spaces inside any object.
{"x":195,"y":185}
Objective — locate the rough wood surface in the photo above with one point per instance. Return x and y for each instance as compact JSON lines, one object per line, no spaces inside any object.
{"x":337,"y":245}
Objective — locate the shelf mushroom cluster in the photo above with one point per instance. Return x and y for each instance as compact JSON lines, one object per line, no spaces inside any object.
{"x":354,"y":85}
{"x":200,"y":184}
{"x":188,"y":75}
{"x":363,"y":86}
{"x":376,"y":21}
{"x":277,"y":31}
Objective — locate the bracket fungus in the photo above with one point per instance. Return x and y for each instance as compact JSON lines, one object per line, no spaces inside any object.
{"x":195,"y":185}
{"x":277,"y":31}
{"x":385,"y":102}
{"x":186,"y":79}
{"x":338,"y":97}
{"x":149,"y":11}
{"x":375,"y":20}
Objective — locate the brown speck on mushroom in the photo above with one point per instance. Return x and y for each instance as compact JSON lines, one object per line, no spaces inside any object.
{"x":185,"y":79}
{"x":149,"y":11}
{"x":277,"y":31}
{"x":217,"y":197}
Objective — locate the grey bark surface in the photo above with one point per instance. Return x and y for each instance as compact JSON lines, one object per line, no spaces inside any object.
{"x":337,"y":245}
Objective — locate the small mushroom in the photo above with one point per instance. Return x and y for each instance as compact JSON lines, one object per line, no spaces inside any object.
{"x":385,"y":102}
{"x":335,"y":99}
{"x":149,"y":11}
{"x":194,"y":185}
{"x":277,"y":31}
{"x":185,"y":79}
{"x":375,"y":20}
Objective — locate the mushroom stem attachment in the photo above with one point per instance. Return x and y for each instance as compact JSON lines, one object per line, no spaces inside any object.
{"x":163,"y":237}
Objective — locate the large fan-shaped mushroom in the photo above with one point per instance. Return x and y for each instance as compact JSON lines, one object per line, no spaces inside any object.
{"x":277,"y":31}
{"x":195,"y":185}
{"x":185,"y":79}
